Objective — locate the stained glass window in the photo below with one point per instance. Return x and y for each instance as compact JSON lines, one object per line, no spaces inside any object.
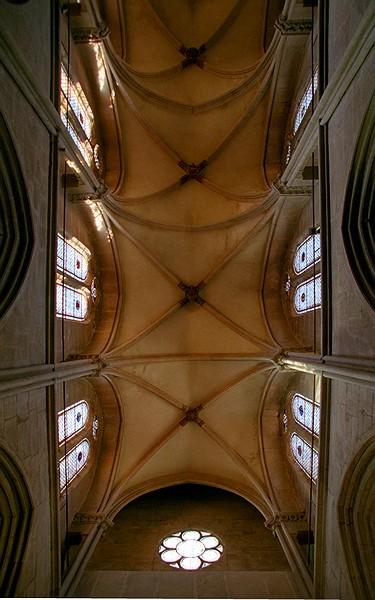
{"x":306,"y":413}
{"x":71,"y":303}
{"x":191,"y":549}
{"x":76,"y":114}
{"x":72,"y":419}
{"x":306,"y":100}
{"x":307,"y":254}
{"x":306,"y":457}
{"x":72,"y":258}
{"x":73,"y":462}
{"x":307,"y":295}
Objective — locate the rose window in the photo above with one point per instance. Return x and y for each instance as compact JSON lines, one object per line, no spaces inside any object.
{"x":191,"y":550}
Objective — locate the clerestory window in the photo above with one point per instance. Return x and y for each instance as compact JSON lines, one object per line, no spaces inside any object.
{"x":305,"y":455}
{"x":73,"y":292}
{"x":305,"y":101}
{"x":72,"y":257}
{"x":72,"y":420}
{"x":308,"y":295}
{"x":77,"y":116}
{"x":307,"y":254}
{"x":306,"y":413}
{"x":73,"y":462}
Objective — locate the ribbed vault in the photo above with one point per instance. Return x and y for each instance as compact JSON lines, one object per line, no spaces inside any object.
{"x":194,"y":216}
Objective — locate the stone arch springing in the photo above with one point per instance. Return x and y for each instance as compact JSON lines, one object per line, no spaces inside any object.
{"x":356,"y":513}
{"x":16,"y":234}
{"x":358,"y":227}
{"x":15,"y":513}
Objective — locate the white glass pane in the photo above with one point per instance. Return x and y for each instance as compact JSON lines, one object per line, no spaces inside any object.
{"x":72,"y":420}
{"x":71,"y":303}
{"x":307,"y":254}
{"x":191,"y":535}
{"x":171,"y":542}
{"x":211,"y":555}
{"x":190,"y":548}
{"x":191,"y":564}
{"x":307,"y":295}
{"x":71,"y":464}
{"x":306,"y":413}
{"x":210,"y":541}
{"x":170,"y":556}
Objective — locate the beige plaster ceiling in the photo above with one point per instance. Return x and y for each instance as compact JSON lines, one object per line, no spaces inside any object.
{"x":194,"y":219}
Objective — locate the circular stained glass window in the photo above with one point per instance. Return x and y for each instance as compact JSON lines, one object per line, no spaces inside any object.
{"x":191,"y":549}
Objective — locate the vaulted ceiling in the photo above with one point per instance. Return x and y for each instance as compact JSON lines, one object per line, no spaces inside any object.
{"x":192,"y":112}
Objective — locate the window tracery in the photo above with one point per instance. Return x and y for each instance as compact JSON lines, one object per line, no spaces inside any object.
{"x":73,"y":301}
{"x":73,"y":462}
{"x":72,"y":420}
{"x":77,"y":116}
{"x":305,"y":101}
{"x":307,"y":295}
{"x":307,"y":254}
{"x":72,"y":257}
{"x":306,"y":413}
{"x":305,"y":455}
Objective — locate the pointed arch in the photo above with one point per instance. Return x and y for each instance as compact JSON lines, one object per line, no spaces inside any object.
{"x":16,"y":512}
{"x":356,"y":513}
{"x":17,"y":240}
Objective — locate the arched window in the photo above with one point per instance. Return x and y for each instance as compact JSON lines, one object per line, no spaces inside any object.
{"x":306,"y":457}
{"x":306,"y":413}
{"x":73,"y":462}
{"x":307,"y":254}
{"x":72,"y":258}
{"x":71,"y":302}
{"x":76,"y":114}
{"x":307,"y":295}
{"x":305,"y":101}
{"x":72,"y":419}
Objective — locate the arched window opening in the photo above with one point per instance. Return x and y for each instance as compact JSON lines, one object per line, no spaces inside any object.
{"x":71,"y":303}
{"x":77,"y":116}
{"x":307,"y":254}
{"x":73,"y":462}
{"x":307,"y":295}
{"x":72,"y":258}
{"x":71,"y":420}
{"x":305,"y":101}
{"x":306,"y":413}
{"x":306,"y":457}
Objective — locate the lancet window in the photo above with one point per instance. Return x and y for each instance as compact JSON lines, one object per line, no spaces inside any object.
{"x":307,"y":295}
{"x":72,"y":292}
{"x":73,"y":462}
{"x":306,"y":413}
{"x":305,"y":455}
{"x":305,"y":101}
{"x":307,"y":254}
{"x":76,"y":114}
{"x":72,"y":420}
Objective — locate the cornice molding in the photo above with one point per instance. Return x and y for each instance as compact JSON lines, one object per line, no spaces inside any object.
{"x":85,"y":35}
{"x":293,"y":27}
{"x":100,"y":192}
{"x":291,"y":190}
{"x":282,"y":517}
